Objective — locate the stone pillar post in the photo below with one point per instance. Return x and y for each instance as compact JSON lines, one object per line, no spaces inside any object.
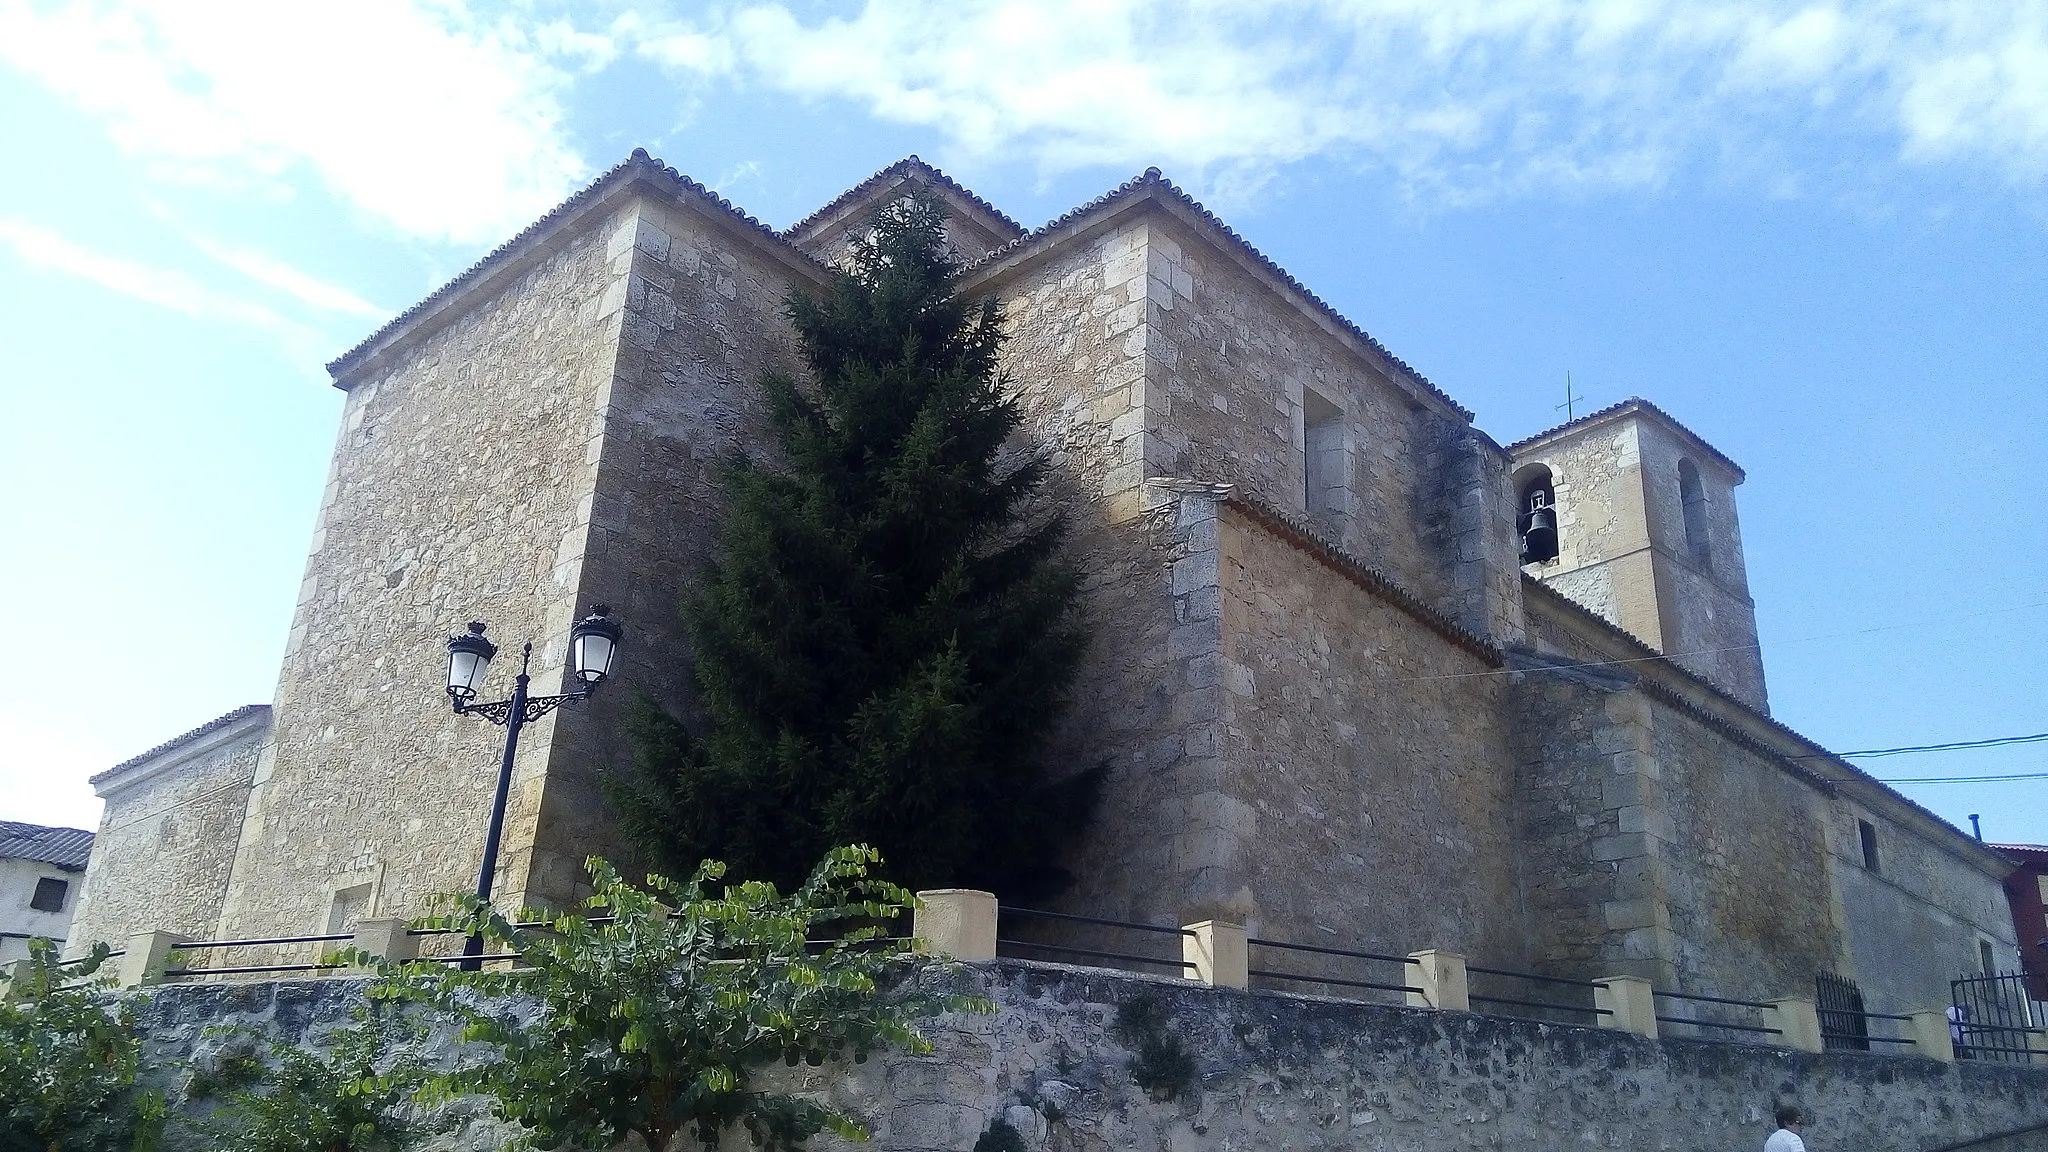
{"x":956,"y":922}
{"x":1798,"y":1023}
{"x":143,"y":962}
{"x":1218,"y":952}
{"x":385,"y":938}
{"x":1441,"y":976}
{"x":1930,"y":1034}
{"x":1630,"y":1002}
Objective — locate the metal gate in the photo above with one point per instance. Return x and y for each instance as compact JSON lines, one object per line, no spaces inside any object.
{"x":1843,"y":1026}
{"x":1992,"y":1019}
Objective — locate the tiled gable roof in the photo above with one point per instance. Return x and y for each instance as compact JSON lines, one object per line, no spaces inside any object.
{"x":639,"y":165}
{"x":1636,"y":403}
{"x":67,"y":848}
{"x":237,"y":716}
{"x":1153,"y":183}
{"x":909,"y":167}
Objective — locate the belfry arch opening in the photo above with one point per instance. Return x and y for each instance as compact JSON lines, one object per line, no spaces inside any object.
{"x":1692,"y":501}
{"x":1536,"y":515}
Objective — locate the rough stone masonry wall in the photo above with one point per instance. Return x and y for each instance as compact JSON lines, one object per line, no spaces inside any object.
{"x":1371,"y":759}
{"x":700,"y":305}
{"x":1237,"y":366}
{"x":1076,"y":361}
{"x":161,"y":857}
{"x":461,"y":465}
{"x":1268,"y":1070}
{"x":1752,"y":897}
{"x":1916,"y":922}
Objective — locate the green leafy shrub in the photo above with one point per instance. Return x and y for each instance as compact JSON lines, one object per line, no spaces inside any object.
{"x":343,"y":1096}
{"x":652,"y":1010}
{"x":68,"y":1059}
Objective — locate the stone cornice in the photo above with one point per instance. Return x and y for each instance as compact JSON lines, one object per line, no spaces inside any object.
{"x":1633,"y":406}
{"x":173,"y":754}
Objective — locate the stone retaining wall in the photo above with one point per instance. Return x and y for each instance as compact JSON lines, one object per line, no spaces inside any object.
{"x":1061,"y":1063}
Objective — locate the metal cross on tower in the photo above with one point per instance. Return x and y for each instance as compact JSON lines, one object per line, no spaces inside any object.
{"x":1570,"y":400}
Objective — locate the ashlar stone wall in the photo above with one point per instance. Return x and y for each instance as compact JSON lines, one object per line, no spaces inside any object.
{"x":463,"y":473}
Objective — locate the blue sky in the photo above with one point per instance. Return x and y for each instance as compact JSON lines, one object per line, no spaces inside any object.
{"x":1816,"y":233}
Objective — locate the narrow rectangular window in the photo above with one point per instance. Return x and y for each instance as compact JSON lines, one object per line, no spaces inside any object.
{"x":1868,"y":834}
{"x":50,"y":893}
{"x":1324,"y":474}
{"x":1984,"y":953}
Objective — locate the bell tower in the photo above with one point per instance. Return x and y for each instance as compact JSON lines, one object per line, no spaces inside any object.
{"x":1632,"y":515}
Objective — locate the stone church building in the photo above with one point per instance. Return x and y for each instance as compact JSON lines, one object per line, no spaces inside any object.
{"x":1364,"y":677}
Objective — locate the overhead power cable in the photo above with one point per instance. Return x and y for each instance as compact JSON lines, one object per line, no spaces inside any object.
{"x":1965,"y":779}
{"x":1952,"y":746}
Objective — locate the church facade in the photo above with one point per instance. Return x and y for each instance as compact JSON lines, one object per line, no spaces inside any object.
{"x":1363,"y":676}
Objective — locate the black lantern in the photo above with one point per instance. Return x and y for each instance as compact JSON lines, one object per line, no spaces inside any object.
{"x":592,"y":644}
{"x":469,"y":657}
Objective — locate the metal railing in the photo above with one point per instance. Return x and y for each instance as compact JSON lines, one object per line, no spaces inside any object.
{"x":1722,"y":1025}
{"x":1403,"y":988}
{"x":1993,"y":1018}
{"x":1178,"y":964}
{"x":1582,"y":1006}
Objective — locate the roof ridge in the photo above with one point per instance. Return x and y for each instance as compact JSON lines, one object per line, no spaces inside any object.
{"x":908,"y":165}
{"x":635,"y":164}
{"x":1618,"y":406}
{"x":1152,"y":178}
{"x":213,"y":725}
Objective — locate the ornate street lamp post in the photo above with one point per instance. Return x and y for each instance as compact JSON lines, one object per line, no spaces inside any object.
{"x":592,"y":644}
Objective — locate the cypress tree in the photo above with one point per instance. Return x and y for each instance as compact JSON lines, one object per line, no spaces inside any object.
{"x":888,"y":630}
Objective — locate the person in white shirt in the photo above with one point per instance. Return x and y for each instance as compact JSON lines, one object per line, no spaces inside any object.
{"x":1791,"y":1122}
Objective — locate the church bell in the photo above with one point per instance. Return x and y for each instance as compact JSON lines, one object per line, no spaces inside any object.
{"x":1539,"y":536}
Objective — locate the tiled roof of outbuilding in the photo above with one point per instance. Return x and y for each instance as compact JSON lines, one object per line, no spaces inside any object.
{"x":67,"y":848}
{"x":1151,"y":181}
{"x":1635,"y":402}
{"x":908,"y":166}
{"x":214,"y":725}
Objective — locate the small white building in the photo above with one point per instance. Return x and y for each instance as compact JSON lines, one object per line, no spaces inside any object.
{"x":40,"y":870}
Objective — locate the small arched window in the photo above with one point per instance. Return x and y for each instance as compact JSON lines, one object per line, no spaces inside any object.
{"x":1693,"y":501}
{"x":1536,"y":517}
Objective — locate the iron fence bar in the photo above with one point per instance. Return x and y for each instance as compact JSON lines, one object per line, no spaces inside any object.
{"x":1974,"y":1047}
{"x":1717,"y":1024}
{"x":1871,"y":1039}
{"x":1298,"y":978}
{"x":259,"y":943}
{"x":1534,"y":976}
{"x":247,"y":968}
{"x":1182,"y":964}
{"x":1326,"y":951}
{"x":1097,"y":920}
{"x":1713,"y":999}
{"x":460,"y":959}
{"x":1539,"y":1004}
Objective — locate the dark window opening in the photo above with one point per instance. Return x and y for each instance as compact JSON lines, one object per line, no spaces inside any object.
{"x":1868,"y":834}
{"x":1693,"y":503}
{"x":1984,"y":953}
{"x":1324,"y":479}
{"x":1536,"y":519}
{"x":50,"y":893}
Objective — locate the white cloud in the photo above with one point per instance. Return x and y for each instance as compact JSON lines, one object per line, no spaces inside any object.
{"x":165,"y":288}
{"x":276,"y":274}
{"x":416,"y":112}
{"x":1460,"y":97}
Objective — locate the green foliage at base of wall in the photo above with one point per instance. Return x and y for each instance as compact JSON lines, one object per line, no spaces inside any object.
{"x":345,"y":1095}
{"x":1161,"y":1063}
{"x":68,"y":1059}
